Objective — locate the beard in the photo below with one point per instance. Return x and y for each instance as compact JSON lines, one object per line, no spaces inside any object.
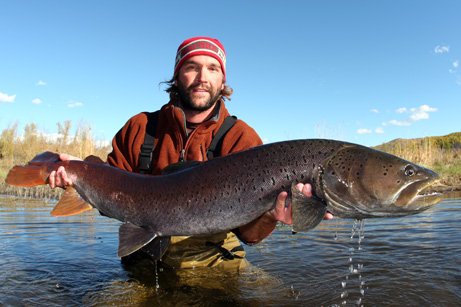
{"x":187,"y":100}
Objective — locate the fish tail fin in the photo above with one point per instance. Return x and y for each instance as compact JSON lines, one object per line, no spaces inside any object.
{"x":35,"y":173}
{"x":70,"y":204}
{"x":27,"y":176}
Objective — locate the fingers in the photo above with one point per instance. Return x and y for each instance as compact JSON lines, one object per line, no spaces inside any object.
{"x":328,"y":216}
{"x":67,"y":157}
{"x":59,"y":178}
{"x":281,"y":212}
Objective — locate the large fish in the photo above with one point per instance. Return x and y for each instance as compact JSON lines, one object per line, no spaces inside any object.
{"x":349,"y":180}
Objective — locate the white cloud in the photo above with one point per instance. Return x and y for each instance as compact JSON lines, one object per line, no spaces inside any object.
{"x":7,"y":98}
{"x":379,"y":130}
{"x":416,"y":114}
{"x":363,"y":131}
{"x":395,"y":122}
{"x":374,"y":111}
{"x":41,"y":83}
{"x":441,"y":49}
{"x":74,"y":104}
{"x":401,"y":110}
{"x":37,"y":101}
{"x":421,"y":112}
{"x":454,"y":67}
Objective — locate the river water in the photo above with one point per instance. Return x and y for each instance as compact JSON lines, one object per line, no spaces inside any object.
{"x":409,"y":261}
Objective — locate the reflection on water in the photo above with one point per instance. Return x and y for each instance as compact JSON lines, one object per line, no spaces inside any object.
{"x":413,"y":260}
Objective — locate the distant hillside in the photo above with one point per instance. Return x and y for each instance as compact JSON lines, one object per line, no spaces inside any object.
{"x":440,"y":153}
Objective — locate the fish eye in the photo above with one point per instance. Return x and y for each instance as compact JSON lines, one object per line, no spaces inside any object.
{"x":410,"y":170}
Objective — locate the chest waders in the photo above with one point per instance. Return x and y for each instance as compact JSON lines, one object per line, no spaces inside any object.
{"x":190,"y":252}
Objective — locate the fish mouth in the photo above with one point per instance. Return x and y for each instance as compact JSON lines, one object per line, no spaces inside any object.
{"x":412,"y":199}
{"x":418,"y":196}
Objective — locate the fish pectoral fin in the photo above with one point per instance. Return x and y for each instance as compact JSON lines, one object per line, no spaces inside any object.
{"x":70,"y":204}
{"x":157,"y":247}
{"x":132,"y":238}
{"x":307,"y":212}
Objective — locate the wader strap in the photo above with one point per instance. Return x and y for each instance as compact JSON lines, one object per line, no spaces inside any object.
{"x":216,"y":143}
{"x":225,"y":253}
{"x":145,"y":155}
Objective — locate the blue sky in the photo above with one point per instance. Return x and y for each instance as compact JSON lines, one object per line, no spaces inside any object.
{"x":361,"y":71}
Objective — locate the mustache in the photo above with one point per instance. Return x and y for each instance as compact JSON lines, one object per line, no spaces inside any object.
{"x":198,"y":86}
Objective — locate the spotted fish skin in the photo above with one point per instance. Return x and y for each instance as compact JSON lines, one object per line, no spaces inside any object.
{"x":349,"y":180}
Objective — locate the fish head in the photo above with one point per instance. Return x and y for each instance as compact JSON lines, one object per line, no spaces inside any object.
{"x":360,"y":182}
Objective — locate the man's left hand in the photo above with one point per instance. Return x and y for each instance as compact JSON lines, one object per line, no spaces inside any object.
{"x":282,"y":211}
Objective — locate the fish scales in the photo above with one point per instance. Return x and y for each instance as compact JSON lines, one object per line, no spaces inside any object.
{"x":349,"y":180}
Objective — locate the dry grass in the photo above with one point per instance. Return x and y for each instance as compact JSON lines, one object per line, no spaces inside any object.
{"x":441,"y":154}
{"x":17,"y":150}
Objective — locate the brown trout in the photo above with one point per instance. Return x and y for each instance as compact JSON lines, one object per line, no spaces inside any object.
{"x":349,"y":180}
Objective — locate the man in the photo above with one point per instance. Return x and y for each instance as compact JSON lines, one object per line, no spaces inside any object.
{"x":185,"y":127}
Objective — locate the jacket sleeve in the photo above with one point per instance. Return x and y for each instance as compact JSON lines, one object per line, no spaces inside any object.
{"x":127,"y":142}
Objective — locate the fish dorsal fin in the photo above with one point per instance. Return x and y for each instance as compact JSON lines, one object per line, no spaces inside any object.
{"x":307,"y":212}
{"x":180,"y":166}
{"x":70,"y":204}
{"x":132,"y":238}
{"x":93,"y":159}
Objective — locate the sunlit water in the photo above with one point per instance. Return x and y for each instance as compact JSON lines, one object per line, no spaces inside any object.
{"x":409,"y":261}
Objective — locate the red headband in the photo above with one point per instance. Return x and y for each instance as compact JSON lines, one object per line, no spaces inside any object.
{"x":200,"y":45}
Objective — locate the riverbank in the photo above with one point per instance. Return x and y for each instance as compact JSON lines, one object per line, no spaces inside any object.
{"x":441,"y":154}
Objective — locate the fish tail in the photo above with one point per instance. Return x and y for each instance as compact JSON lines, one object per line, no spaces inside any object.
{"x":35,"y":173}
{"x":27,"y":176}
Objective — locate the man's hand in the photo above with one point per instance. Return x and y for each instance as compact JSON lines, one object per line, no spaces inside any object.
{"x":282,"y":211}
{"x":59,"y":177}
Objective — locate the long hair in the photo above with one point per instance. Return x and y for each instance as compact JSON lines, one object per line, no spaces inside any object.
{"x":172,"y":89}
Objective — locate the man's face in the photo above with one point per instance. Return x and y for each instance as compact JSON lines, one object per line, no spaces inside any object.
{"x":200,"y":82}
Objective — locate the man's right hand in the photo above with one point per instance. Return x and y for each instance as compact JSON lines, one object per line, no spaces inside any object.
{"x":59,"y":177}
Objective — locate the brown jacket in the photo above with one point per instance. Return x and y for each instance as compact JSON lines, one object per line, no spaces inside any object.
{"x":171,"y":139}
{"x":172,"y":142}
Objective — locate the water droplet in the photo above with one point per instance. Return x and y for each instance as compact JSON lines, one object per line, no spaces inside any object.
{"x":343,"y":284}
{"x":344,"y":294}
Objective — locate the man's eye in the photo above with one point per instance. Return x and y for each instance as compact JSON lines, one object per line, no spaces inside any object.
{"x":214,"y":69}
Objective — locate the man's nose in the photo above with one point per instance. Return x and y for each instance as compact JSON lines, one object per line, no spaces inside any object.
{"x":203,"y":74}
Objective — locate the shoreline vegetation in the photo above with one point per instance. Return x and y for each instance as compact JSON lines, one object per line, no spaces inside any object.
{"x":441,"y":154}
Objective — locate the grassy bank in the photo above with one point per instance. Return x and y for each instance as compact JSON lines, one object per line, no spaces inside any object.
{"x":442,"y":154}
{"x":18,"y":149}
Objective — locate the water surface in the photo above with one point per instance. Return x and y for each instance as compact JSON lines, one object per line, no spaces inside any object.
{"x":413,"y":260}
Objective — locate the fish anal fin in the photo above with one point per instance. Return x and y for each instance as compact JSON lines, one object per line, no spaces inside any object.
{"x":307,"y":212}
{"x":133,"y":238}
{"x":70,"y":204}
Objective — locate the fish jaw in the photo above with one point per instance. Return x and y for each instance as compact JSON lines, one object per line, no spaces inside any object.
{"x":418,"y":197}
{"x":361,"y":183}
